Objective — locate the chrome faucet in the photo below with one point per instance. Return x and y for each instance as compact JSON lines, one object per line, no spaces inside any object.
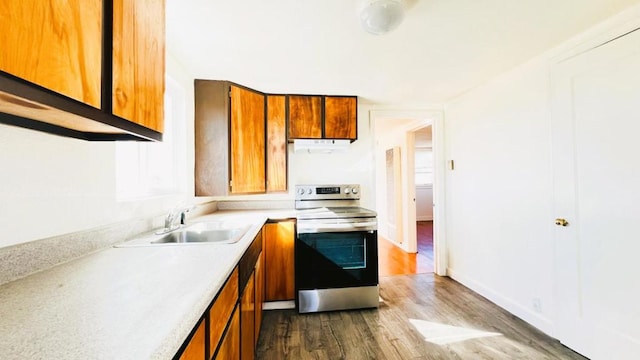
{"x":170,"y":219}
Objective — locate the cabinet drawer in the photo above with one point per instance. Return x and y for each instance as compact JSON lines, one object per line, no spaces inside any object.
{"x":222,"y":309}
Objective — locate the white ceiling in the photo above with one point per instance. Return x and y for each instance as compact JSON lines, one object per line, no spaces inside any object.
{"x":442,"y":48}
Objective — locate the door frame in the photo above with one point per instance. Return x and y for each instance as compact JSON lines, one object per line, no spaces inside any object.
{"x":419,"y":119}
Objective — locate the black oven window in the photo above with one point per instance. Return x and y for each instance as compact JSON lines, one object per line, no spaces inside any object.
{"x":346,"y":250}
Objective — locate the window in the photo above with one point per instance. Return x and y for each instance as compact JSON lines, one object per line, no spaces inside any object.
{"x":153,"y":169}
{"x":424,"y":166}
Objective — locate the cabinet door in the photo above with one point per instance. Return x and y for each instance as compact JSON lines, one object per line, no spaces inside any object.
{"x":305,"y":117}
{"x":277,"y":143}
{"x":221,"y":311}
{"x":259,"y":274}
{"x":247,"y":141}
{"x":138,"y":62}
{"x":279,"y":261}
{"x":230,"y":345}
{"x":195,"y":348}
{"x":247,"y":320}
{"x":56,"y":44}
{"x":340,"y":121}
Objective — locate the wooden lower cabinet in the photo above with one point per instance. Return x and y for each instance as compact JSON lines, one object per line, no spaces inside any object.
{"x":195,"y":349}
{"x":259,"y":275}
{"x":247,"y":320}
{"x":231,"y":327}
{"x":279,"y":239}
{"x":221,"y":311}
{"x":230,"y":344}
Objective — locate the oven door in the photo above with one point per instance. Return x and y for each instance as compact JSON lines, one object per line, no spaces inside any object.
{"x":343,"y":259}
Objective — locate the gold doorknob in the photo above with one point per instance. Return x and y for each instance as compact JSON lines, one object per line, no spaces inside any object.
{"x":562,"y":222}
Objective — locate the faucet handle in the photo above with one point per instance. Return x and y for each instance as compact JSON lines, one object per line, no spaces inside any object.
{"x":183,"y":213}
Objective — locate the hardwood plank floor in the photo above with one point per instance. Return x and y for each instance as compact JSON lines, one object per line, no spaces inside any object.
{"x":394,"y":261}
{"x":422,"y":317}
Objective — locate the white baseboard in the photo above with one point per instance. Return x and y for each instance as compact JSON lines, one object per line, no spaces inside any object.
{"x":536,"y":320}
{"x":424,"y":218}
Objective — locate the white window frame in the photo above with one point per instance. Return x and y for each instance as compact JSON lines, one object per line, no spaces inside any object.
{"x":152,"y":169}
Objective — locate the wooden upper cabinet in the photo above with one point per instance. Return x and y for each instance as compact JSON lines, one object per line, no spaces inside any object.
{"x":279,"y":240}
{"x":323,"y":117}
{"x":56,"y":44}
{"x":139,"y":62}
{"x":276,"y":143}
{"x":340,"y":117}
{"x":94,"y":72}
{"x":247,"y":141}
{"x":305,"y":117}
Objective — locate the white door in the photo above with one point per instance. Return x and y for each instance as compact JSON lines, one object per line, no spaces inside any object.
{"x":596,"y":150}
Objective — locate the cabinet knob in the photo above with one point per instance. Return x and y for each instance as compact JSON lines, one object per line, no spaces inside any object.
{"x":562,"y":222}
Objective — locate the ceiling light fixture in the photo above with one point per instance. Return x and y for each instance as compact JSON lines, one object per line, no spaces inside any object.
{"x":381,"y":16}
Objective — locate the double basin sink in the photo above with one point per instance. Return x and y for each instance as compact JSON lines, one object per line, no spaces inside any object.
{"x":215,"y":232}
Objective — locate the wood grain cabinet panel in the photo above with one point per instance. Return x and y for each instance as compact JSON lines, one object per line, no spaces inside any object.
{"x":276,"y":143}
{"x":279,"y":241}
{"x":259,"y":277}
{"x":305,"y":117}
{"x":340,"y":119}
{"x":247,"y":141}
{"x":221,"y":311}
{"x":230,"y":345}
{"x":230,"y":144}
{"x":56,"y":44}
{"x":195,"y":349}
{"x":86,"y":69}
{"x":247,"y":320}
{"x":139,"y":62}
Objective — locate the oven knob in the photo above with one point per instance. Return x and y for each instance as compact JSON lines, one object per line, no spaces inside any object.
{"x":347,"y":190}
{"x":309,"y":191}
{"x":354,"y":191}
{"x":301,"y":191}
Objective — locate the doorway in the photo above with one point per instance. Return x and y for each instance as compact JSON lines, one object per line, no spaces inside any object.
{"x":423,"y":172}
{"x":410,"y":241}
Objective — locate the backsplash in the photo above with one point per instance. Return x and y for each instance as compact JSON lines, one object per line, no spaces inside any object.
{"x":18,"y":261}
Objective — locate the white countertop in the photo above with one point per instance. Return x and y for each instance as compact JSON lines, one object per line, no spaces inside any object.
{"x":120,"y":303}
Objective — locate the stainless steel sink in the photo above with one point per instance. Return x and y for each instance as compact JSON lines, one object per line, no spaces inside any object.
{"x":215,"y":232}
{"x":223,"y":236}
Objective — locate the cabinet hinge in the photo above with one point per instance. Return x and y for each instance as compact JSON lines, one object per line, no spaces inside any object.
{"x":231,"y":184}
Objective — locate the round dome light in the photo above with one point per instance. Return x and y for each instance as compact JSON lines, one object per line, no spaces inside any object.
{"x":381,"y":16}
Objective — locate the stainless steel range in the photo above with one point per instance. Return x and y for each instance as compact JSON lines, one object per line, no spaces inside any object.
{"x":336,"y":250}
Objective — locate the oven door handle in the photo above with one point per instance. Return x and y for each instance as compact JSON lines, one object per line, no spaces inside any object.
{"x":339,"y":227}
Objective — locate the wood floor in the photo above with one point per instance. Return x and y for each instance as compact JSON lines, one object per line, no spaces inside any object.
{"x":394,"y":261}
{"x":423,"y":317}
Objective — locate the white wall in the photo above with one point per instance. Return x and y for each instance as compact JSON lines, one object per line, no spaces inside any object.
{"x":499,"y":197}
{"x":389,"y":133}
{"x":354,"y":166}
{"x":50,"y":185}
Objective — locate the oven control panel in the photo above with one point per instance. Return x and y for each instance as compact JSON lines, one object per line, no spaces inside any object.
{"x":328,"y":192}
